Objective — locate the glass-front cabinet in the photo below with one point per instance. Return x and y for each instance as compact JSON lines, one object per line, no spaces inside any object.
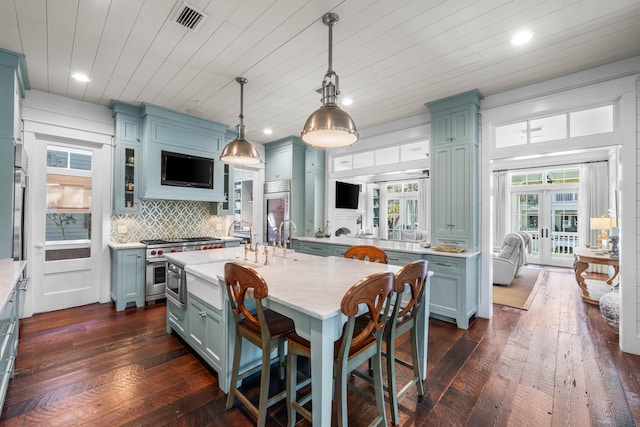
{"x":127,"y":160}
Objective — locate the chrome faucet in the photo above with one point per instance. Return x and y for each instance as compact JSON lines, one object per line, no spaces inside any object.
{"x":241,"y":223}
{"x":284,"y":241}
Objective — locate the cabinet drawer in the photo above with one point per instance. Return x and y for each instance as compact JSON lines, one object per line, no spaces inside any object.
{"x":176,"y":316}
{"x":401,"y":258}
{"x":316,"y":249}
{"x":447,"y":265}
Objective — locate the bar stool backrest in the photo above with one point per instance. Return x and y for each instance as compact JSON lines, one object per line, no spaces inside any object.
{"x":367,"y":253}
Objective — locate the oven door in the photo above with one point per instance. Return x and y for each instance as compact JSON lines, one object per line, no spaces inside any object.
{"x":155,"y":279}
{"x":176,"y":290}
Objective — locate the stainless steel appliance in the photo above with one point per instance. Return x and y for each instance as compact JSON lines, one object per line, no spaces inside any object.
{"x":276,"y":208}
{"x":157,"y":270}
{"x":19,"y":202}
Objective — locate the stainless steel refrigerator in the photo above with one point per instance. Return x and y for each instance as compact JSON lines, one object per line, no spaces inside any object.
{"x":277,"y":209}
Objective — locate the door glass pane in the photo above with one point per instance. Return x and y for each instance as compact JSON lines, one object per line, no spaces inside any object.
{"x":527,"y":211}
{"x":68,"y":196}
{"x":393,"y":218}
{"x":564,"y":223}
{"x":411,"y":214}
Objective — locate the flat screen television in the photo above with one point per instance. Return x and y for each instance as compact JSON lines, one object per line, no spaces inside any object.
{"x":347,"y":195}
{"x":182,"y":170}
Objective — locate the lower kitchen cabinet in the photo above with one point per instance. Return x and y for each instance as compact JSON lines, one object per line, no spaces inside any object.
{"x":127,"y":276}
{"x":8,"y":340}
{"x":454,"y":291}
{"x":176,"y":319}
{"x":206,"y":331}
{"x":454,"y":286}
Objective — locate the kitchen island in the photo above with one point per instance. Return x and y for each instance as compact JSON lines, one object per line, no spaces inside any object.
{"x":454,"y":285}
{"x":306,"y":288}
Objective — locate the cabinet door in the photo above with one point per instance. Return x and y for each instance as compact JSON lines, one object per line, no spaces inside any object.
{"x":132,"y":266}
{"x":460,"y":130}
{"x":226,"y":206}
{"x":441,"y":202}
{"x":196,"y":323}
{"x":278,"y":163}
{"x":460,"y":171}
{"x":128,"y":129}
{"x":214,"y":337}
{"x":445,"y":295}
{"x":126,"y":178}
{"x":441,"y":129}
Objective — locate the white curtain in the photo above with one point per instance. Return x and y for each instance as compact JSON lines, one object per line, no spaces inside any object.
{"x":593,"y":202}
{"x":500,"y":213}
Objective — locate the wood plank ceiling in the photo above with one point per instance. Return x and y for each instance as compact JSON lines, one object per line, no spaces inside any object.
{"x":392,"y":56}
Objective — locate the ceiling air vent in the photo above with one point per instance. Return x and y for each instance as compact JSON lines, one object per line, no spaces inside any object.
{"x":189,"y":17}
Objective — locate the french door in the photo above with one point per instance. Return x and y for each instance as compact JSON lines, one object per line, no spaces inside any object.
{"x":551,"y":219}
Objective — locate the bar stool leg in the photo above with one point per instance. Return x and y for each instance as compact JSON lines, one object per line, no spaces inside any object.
{"x":265,"y":377}
{"x":292,"y":370}
{"x":378,"y":387}
{"x":237,"y":350}
{"x":391,"y":380}
{"x":416,"y":361}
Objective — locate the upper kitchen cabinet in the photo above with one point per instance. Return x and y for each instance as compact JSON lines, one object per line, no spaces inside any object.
{"x":285,"y":159}
{"x":179,"y":151}
{"x":13,"y":83}
{"x":127,"y":155}
{"x":454,"y":170}
{"x":163,"y":154}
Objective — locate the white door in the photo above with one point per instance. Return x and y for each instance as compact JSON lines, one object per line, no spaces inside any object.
{"x":551,"y":218}
{"x":65,"y":183}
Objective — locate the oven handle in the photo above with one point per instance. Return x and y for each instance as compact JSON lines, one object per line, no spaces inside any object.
{"x":156,"y":260}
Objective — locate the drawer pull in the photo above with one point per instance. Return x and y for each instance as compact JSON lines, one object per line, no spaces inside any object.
{"x":11,"y":329}
{"x":444,"y":264}
{"x":23,"y":284}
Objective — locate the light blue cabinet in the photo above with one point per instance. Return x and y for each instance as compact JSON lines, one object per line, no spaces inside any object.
{"x":8,"y":339}
{"x":454,"y":170}
{"x":225,"y":207}
{"x":454,"y":288}
{"x":127,"y":158}
{"x":127,"y":276}
{"x":313,"y":190}
{"x":205,"y":331}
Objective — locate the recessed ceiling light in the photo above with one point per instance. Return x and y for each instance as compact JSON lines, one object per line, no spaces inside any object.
{"x":81,"y":77}
{"x":521,"y":37}
{"x":267,"y":131}
{"x":347,"y":101}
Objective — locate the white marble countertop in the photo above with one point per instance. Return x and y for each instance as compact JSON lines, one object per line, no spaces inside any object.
{"x":10,"y":272}
{"x":312,"y":284}
{"x":392,"y":245}
{"x":211,"y":255}
{"x":131,"y":245}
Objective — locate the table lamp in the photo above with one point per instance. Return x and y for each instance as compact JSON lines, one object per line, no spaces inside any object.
{"x":603,"y":224}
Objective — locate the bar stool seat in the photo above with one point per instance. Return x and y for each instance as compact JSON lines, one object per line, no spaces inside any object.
{"x":354,"y":347}
{"x":265,"y":329}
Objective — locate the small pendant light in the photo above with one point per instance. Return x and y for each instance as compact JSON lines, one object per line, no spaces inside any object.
{"x":329,"y":126}
{"x":240,"y":151}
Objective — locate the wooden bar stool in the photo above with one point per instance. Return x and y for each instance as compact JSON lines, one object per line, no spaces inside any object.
{"x":354,"y":347}
{"x":404,"y":319}
{"x":367,"y":253}
{"x":265,"y":329}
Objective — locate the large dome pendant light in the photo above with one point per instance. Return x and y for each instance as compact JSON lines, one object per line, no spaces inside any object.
{"x":329,"y":126}
{"x":240,"y":151}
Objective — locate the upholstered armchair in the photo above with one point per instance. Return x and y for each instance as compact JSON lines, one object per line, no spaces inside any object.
{"x":507,"y":262}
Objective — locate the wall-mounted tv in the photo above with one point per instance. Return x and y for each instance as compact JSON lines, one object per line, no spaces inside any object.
{"x":182,"y":170}
{"x":347,"y":195}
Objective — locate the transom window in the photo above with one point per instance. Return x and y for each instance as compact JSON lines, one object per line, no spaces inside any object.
{"x":571,"y":124}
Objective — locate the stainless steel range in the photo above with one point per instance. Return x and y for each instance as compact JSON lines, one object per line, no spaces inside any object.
{"x":156,"y":272}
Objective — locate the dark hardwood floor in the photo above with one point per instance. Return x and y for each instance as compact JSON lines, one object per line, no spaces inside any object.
{"x":557,"y":364}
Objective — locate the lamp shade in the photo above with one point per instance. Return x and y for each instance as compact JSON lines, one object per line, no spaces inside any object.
{"x":329,"y":126}
{"x":240,"y":152}
{"x":602,"y":223}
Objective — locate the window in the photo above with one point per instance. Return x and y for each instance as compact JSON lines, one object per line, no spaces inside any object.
{"x":402,"y":208}
{"x":552,"y":128}
{"x":68,"y":197}
{"x":409,"y":152}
